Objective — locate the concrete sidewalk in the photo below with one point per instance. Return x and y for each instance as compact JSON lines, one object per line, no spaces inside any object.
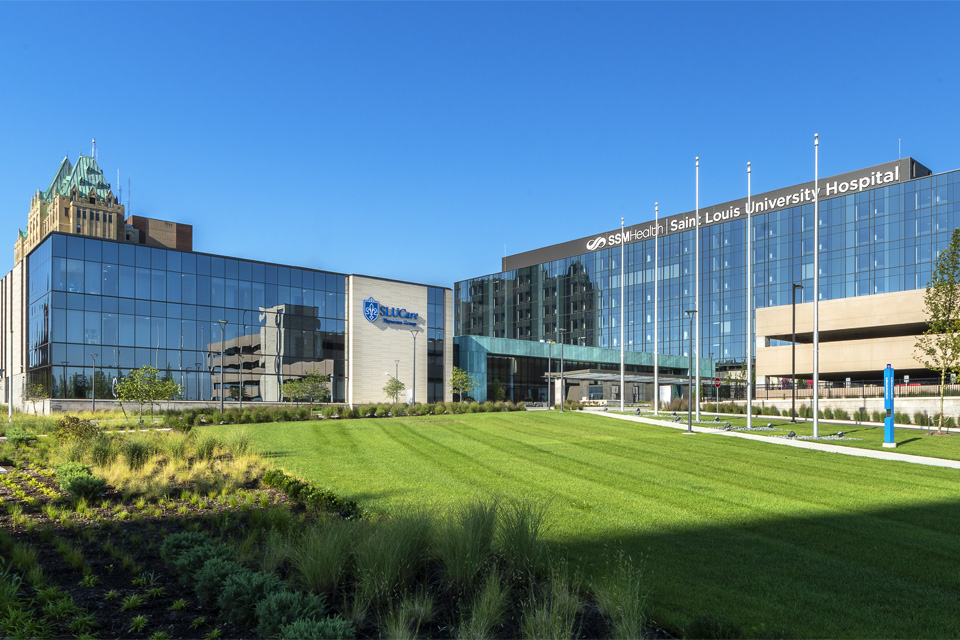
{"x":800,"y":444}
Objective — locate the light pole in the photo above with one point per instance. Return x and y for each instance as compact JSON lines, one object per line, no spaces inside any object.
{"x":197,"y":365}
{"x":793,"y":366}
{"x":413,"y":394}
{"x":622,"y":375}
{"x":396,"y":371}
{"x":562,"y":390}
{"x":716,"y":374}
{"x":691,"y":313}
{"x":223,"y":324}
{"x":549,"y":367}
{"x":93,"y":384}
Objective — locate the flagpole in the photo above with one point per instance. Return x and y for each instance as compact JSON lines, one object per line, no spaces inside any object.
{"x":816,"y":283}
{"x":623,"y":389}
{"x":749,"y":309}
{"x":656,"y":308}
{"x":696,"y":346}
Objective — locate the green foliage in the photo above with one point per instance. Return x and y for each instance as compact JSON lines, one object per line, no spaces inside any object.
{"x":488,"y":609}
{"x":840,"y":414}
{"x":103,"y":450}
{"x":938,"y":348}
{"x":920,"y":419}
{"x":284,"y":607}
{"x":464,"y":542}
{"x":620,"y":592}
{"x":311,"y":497}
{"x":75,"y":428}
{"x":388,"y":556}
{"x":210,"y":578}
{"x":313,"y":387}
{"x":323,"y":554}
{"x":900,"y":417}
{"x":136,"y":451}
{"x":333,"y":628}
{"x":520,"y":540}
{"x":241,"y":593}
{"x":75,"y":478}
{"x":18,"y":437}
{"x":393,"y":389}
{"x":554,"y":613}
{"x":878,"y":416}
{"x":861,"y":415}
{"x":495,"y":390}
{"x":461,"y":383}
{"x":144,"y":386}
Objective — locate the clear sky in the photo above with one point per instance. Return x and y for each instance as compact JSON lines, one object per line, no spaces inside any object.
{"x":416,"y":140}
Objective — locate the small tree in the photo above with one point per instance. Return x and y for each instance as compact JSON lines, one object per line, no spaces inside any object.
{"x":38,"y":390}
{"x":394,"y":388}
{"x":938,"y":348}
{"x":495,"y":390}
{"x":316,"y":387}
{"x":460,"y":383}
{"x":144,"y":386}
{"x":292,"y":389}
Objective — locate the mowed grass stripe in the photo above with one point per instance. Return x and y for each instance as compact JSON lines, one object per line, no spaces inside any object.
{"x":769,"y":538}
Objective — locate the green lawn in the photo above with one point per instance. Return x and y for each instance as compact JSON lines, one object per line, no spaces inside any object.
{"x":919,"y":441}
{"x":771,"y":540}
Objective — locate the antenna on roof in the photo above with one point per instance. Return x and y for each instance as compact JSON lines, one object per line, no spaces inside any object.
{"x":93,"y":152}
{"x":898,"y":149}
{"x":119,"y":188}
{"x":129,"y":197}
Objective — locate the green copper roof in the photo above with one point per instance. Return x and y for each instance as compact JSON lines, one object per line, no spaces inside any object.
{"x":86,"y":176}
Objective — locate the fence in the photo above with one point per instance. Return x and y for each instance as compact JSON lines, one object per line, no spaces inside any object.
{"x":828,"y":390}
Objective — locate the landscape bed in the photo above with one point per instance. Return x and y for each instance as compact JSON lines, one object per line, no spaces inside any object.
{"x":737,"y":538}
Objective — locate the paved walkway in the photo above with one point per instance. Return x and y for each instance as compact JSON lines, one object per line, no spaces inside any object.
{"x":800,"y":444}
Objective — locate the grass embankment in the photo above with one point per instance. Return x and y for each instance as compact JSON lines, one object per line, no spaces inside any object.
{"x":917,"y":441}
{"x":739,"y":537}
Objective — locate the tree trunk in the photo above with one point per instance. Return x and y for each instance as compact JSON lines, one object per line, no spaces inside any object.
{"x":943,"y":381}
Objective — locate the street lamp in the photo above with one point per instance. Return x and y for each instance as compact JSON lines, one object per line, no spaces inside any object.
{"x":93,"y":384}
{"x":793,"y":366}
{"x":562,"y":390}
{"x":413,"y":394}
{"x":549,"y":367}
{"x":223,"y":324}
{"x":691,"y":313}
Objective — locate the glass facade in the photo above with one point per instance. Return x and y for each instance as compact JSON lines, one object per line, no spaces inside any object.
{"x":98,"y":308}
{"x":880,"y":240}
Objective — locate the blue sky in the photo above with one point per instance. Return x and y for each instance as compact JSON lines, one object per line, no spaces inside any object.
{"x":415,"y":140}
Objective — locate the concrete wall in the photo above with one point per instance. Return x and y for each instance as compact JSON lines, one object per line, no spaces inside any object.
{"x":857,"y":335}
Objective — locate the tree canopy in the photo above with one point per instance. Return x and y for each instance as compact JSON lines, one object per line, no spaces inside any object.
{"x":461,"y":383}
{"x":938,"y":348}
{"x":144,"y":385}
{"x":394,"y":388}
{"x":313,"y":387}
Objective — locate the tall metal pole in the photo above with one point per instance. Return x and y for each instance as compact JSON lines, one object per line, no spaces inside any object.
{"x":93,"y":384}
{"x":816,"y":283}
{"x":549,"y":367}
{"x":691,"y":313}
{"x":622,"y":271}
{"x":414,"y":332}
{"x":696,"y":344}
{"x":793,"y":366}
{"x":562,"y":390}
{"x":197,"y":364}
{"x":750,"y":339}
{"x":656,"y":309}
{"x":223,"y":324}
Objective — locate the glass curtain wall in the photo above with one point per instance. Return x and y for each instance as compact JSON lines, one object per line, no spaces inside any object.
{"x":882,"y":240}
{"x":132,"y":305}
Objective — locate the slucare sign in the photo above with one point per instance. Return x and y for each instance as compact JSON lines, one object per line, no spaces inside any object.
{"x":373,"y":310}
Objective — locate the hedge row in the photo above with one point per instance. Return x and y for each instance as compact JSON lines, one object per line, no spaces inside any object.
{"x":311,"y":497}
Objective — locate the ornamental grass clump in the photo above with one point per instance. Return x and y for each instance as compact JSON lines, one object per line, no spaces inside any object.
{"x":621,"y":593}
{"x":464,"y":543}
{"x":520,"y":541}
{"x":487,"y":611}
{"x":136,"y":451}
{"x":322,"y":557}
{"x":388,"y":556}
{"x":332,"y":628}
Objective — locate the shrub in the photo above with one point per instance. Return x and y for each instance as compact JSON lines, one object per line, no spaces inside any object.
{"x":18,"y":437}
{"x":241,"y":593}
{"x":327,"y":412}
{"x":382,"y":411}
{"x":878,"y":416}
{"x":64,"y":472}
{"x":439,"y":409}
{"x":283,"y":607}
{"x":261,"y":415}
{"x":486,"y":407}
{"x":841,"y":414}
{"x":210,"y":578}
{"x":861,"y":415}
{"x":88,"y":486}
{"x":805,"y":411}
{"x":332,"y":628}
{"x":398,"y":409}
{"x":74,"y":428}
{"x":175,"y":544}
{"x":828,"y":413}
{"x":310,"y":496}
{"x":189,"y":552}
{"x":473,"y":407}
{"x":901,"y":418}
{"x":920,"y":418}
